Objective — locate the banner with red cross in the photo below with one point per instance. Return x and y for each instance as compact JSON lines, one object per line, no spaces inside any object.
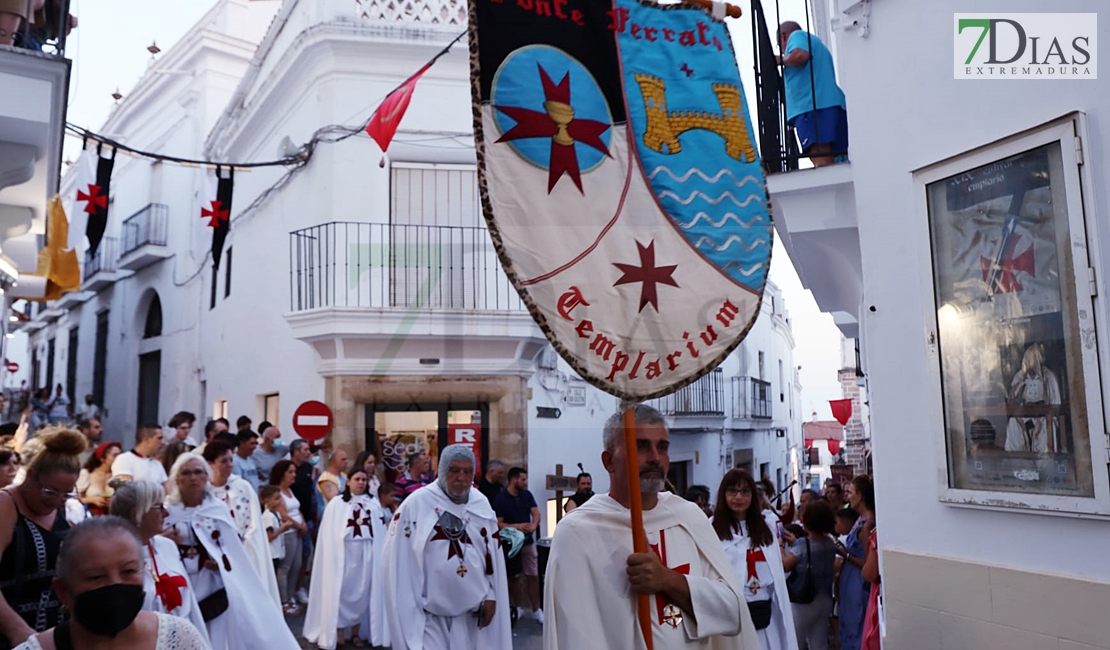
{"x":621,"y":184}
{"x":215,"y":209}
{"x":88,"y":213}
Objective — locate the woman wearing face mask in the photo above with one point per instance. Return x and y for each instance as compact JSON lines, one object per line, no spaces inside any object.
{"x":227,"y":587}
{"x":242,"y":501}
{"x":348,"y":554}
{"x":753,"y":551}
{"x":165,"y":581}
{"x":100,"y":582}
{"x":32,"y":525}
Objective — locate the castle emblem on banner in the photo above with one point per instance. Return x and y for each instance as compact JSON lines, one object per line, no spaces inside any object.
{"x":621,"y":183}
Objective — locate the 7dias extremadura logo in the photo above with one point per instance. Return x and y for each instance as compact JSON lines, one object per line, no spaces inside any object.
{"x":1026,"y":46}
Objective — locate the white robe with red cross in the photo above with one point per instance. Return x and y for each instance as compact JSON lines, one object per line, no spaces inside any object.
{"x":589,"y":603}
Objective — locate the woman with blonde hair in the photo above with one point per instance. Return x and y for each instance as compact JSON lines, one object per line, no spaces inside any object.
{"x":32,"y":526}
{"x":166,"y":584}
{"x":228,"y":589}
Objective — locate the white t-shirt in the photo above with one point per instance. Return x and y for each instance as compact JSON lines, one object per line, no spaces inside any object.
{"x":270,"y":521}
{"x":138,"y":468}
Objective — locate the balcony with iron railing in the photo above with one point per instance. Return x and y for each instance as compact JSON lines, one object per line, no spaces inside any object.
{"x":370,"y":285}
{"x":144,"y":237}
{"x":101,"y":268}
{"x":704,"y":397}
{"x":378,"y":265}
{"x":751,"y":399}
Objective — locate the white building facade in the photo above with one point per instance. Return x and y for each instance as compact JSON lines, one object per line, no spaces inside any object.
{"x":965,"y":246}
{"x":365,"y":281}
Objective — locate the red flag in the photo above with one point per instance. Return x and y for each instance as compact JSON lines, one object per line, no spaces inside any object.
{"x":384,"y":122}
{"x":841,"y":410}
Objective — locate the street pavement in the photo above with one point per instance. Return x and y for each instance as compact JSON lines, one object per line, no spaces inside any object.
{"x":527,"y":634}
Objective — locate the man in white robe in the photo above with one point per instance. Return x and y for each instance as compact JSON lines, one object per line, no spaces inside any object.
{"x":593,"y":577}
{"x":444,"y":573}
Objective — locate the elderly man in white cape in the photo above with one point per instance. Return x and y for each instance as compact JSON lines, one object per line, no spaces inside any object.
{"x":593,"y":577}
{"x":445,"y":584}
{"x":228,"y":589}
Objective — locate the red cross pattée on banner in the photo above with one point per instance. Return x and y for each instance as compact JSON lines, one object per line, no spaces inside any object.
{"x":215,"y":214}
{"x":647,"y":273}
{"x":661,"y":600}
{"x":94,"y":198}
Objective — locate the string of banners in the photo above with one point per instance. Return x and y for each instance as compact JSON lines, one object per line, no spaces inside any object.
{"x":92,"y":194}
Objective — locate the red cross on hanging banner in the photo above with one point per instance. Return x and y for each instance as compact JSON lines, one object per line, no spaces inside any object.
{"x":95,"y":199}
{"x":215,"y":214}
{"x":661,"y":600}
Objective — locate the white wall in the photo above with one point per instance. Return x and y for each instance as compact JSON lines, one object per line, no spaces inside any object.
{"x":905,"y":111}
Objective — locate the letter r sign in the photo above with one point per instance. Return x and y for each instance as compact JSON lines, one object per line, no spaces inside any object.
{"x":471,"y":436}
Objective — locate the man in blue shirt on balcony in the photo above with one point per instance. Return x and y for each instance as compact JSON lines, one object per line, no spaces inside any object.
{"x":815,"y":105}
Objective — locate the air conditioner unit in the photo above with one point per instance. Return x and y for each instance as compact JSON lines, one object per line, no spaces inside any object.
{"x":549,"y":359}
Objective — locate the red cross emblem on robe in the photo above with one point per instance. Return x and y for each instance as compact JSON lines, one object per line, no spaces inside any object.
{"x":168,"y":588}
{"x":454,"y":544}
{"x":661,"y":599}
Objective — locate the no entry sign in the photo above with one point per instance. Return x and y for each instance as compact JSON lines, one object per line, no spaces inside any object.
{"x":312,"y":420}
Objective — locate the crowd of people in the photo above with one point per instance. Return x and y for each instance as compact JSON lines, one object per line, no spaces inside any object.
{"x":213,"y":543}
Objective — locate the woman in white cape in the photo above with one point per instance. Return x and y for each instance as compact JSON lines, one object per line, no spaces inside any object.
{"x":241,"y":499}
{"x":227,"y":587}
{"x":348,"y":554}
{"x":753,"y":551}
{"x":165,"y":581}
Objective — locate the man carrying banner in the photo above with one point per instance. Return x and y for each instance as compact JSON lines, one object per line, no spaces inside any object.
{"x":593,"y":576}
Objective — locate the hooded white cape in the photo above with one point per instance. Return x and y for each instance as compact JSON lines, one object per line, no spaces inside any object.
{"x":246,"y":512}
{"x":589,"y":603}
{"x":328,"y":568}
{"x":403,"y":566}
{"x":257,"y":623}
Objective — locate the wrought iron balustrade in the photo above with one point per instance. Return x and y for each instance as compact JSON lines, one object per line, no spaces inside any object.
{"x":380,"y":265}
{"x":751,"y":398}
{"x":105,"y":259}
{"x":703,"y":397}
{"x":147,"y":226}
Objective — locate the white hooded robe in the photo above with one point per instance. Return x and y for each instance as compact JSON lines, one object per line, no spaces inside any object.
{"x":343,"y":558}
{"x":409,"y":589}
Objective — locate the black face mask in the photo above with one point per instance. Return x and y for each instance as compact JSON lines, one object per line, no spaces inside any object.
{"x":109,"y":610}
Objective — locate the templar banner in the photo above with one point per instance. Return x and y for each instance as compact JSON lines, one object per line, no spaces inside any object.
{"x":620,"y":183}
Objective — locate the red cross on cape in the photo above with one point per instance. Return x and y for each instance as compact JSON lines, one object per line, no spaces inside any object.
{"x":660,"y":550}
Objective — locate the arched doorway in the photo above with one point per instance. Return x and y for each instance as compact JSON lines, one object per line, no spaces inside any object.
{"x":150,"y":363}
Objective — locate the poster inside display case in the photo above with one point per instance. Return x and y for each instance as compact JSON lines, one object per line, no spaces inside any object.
{"x":1007,"y":315}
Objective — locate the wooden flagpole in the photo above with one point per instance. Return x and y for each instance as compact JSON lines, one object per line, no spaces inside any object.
{"x":731,"y":10}
{"x":636,"y":506}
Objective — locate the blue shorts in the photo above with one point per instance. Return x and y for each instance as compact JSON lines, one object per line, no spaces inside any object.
{"x":823,"y":126}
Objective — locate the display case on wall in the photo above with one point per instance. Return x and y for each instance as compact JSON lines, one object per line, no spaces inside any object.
{"x":1012,"y":328}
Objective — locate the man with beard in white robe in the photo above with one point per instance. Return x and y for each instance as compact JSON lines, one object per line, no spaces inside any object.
{"x":593,"y":578}
{"x":444,"y":573}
